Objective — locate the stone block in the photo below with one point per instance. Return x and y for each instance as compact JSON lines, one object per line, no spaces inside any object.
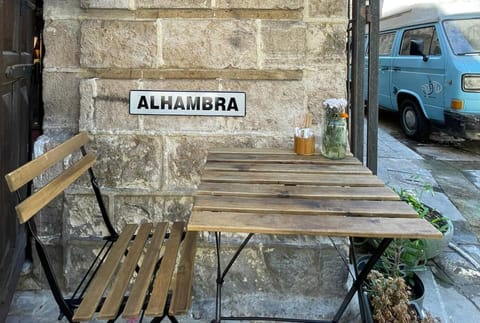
{"x":36,"y":279}
{"x":83,"y":218}
{"x":282,"y":44}
{"x":168,"y":4}
{"x":61,"y":97}
{"x":129,"y":161}
{"x":263,"y":273}
{"x":105,"y":106}
{"x":177,"y":208}
{"x":79,"y":256}
{"x":62,"y":43}
{"x":149,"y":208}
{"x":326,"y":43}
{"x":209,"y":43}
{"x":137,"y":209}
{"x":272,"y":106}
{"x":87,"y":89}
{"x":260,"y":4}
{"x":274,"y":239}
{"x":327,"y":8}
{"x":280,"y":263}
{"x":49,"y":220}
{"x":61,"y":9}
{"x":105,"y":4}
{"x":118,"y":43}
{"x":112,"y":115}
{"x":322,"y":84}
{"x":186,"y":155}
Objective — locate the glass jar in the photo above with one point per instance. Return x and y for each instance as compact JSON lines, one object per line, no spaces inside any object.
{"x":335,"y":136}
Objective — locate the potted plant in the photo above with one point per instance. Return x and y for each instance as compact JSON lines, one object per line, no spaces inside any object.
{"x":432,"y":248}
{"x":389,"y":298}
{"x":403,"y":259}
{"x":393,"y":290}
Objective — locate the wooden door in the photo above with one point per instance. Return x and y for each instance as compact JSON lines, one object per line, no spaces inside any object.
{"x":17,"y":92}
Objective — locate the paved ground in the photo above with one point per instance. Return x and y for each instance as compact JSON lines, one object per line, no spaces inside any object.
{"x":453,"y":168}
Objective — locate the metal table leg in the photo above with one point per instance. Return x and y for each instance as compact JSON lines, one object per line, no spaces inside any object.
{"x":356,"y":286}
{"x":360,"y":279}
{"x":221,"y":275}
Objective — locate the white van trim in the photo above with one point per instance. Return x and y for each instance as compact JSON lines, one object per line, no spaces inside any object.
{"x":424,"y":14}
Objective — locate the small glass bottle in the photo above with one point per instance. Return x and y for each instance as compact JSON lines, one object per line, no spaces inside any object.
{"x":334,"y":144}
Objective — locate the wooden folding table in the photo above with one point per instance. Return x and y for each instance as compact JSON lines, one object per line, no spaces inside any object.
{"x":258,"y":191}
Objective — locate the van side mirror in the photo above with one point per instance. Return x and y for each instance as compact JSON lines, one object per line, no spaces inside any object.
{"x":416,"y":49}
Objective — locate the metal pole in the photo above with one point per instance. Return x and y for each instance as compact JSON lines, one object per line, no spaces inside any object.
{"x":373,"y":16}
{"x":357,"y":86}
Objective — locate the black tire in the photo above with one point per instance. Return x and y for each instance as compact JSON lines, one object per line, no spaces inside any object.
{"x":413,"y":122}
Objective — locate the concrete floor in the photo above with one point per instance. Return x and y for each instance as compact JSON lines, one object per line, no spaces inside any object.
{"x":453,"y":168}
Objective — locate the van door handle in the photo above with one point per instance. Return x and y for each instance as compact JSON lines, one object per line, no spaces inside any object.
{"x":384,"y":68}
{"x":395,"y":68}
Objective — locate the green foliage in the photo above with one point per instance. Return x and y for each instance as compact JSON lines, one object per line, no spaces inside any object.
{"x":414,"y":198}
{"x":388,"y":284}
{"x":405,"y":256}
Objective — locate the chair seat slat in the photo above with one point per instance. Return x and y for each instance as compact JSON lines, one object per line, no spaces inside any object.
{"x":98,"y":285}
{"x":158,"y":297}
{"x":181,"y":297}
{"x":117,"y":291}
{"x":139,"y":289}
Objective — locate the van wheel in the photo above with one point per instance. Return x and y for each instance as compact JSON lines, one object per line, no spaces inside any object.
{"x":414,"y":123}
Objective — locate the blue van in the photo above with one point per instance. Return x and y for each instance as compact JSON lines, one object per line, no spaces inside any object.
{"x":429,"y":68}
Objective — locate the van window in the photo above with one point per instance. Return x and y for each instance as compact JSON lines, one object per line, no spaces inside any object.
{"x":435,"y":47}
{"x":463,"y":35}
{"x":426,"y":36}
{"x":386,"y":44}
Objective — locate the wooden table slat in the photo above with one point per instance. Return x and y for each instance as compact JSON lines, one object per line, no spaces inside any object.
{"x":339,"y":226}
{"x":295,"y":168}
{"x":290,"y":178}
{"x":303,"y":206}
{"x":262,"y":151}
{"x":279,"y":158}
{"x":297,"y":191}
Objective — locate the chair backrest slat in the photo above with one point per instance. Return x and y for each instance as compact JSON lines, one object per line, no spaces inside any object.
{"x":22,"y":175}
{"x":35,"y":202}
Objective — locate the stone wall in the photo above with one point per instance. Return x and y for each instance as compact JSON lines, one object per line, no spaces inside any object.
{"x":287,"y":55}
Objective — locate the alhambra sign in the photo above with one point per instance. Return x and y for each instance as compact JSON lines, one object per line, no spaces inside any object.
{"x":198,"y":103}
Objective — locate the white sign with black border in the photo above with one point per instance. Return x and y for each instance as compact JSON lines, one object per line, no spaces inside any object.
{"x":191,"y":103}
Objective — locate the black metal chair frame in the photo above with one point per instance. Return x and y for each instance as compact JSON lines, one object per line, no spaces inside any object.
{"x":68,"y":305}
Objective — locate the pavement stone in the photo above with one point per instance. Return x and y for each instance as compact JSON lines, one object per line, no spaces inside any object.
{"x":453,"y":282}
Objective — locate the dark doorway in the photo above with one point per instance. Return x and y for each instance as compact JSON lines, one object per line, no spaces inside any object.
{"x":20,"y":115}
